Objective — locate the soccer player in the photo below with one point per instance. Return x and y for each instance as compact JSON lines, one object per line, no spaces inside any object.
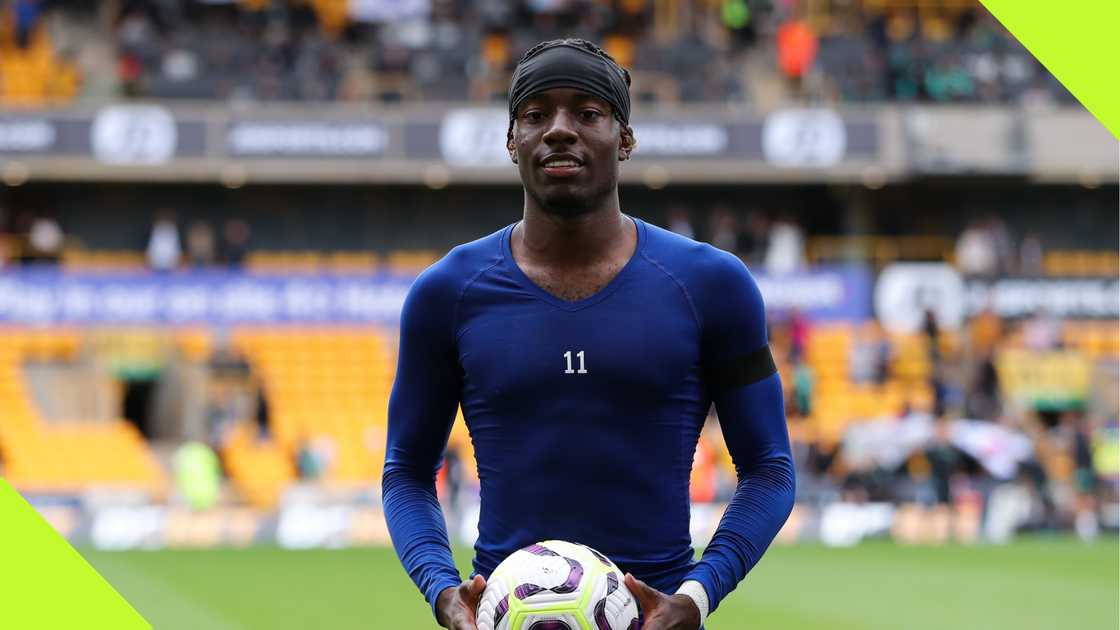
{"x":585,"y":348}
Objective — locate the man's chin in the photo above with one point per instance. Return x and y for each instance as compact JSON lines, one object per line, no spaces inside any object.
{"x":567,"y":200}
{"x":568,"y":205}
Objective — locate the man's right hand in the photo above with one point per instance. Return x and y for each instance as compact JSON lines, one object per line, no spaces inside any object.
{"x":456,"y":606}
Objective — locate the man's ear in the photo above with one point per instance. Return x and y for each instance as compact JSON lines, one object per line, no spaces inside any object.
{"x":511,"y":147}
{"x":627,"y":143}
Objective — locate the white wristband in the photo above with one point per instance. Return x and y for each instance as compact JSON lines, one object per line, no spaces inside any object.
{"x":696,"y":593}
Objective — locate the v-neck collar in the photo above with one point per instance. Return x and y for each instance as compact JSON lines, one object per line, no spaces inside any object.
{"x":598,"y":296}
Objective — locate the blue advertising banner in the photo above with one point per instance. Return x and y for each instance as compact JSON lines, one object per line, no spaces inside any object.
{"x":52,"y":297}
{"x":823,"y":294}
{"x":44,"y":297}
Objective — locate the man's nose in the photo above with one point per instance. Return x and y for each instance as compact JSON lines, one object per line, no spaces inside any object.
{"x":561,"y":128}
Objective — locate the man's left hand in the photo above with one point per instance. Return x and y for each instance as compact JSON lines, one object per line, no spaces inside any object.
{"x":661,"y":611}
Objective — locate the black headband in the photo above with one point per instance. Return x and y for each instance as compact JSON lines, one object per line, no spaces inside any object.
{"x":570,"y":66}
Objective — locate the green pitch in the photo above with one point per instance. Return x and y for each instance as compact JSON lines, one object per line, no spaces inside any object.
{"x":1044,"y":584}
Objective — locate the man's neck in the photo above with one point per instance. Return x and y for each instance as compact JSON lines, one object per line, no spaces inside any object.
{"x":555,"y":239}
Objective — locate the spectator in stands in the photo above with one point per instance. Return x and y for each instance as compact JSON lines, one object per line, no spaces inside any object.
{"x":201,"y":248}
{"x":871,"y":356}
{"x":1006,"y":258}
{"x":680,"y":222}
{"x":798,"y":335}
{"x":797,"y":50}
{"x":314,"y":457}
{"x":939,"y":384}
{"x":984,"y":393}
{"x":1043,"y":331}
{"x":933,"y":335}
{"x":724,"y":233}
{"x":261,"y":414}
{"x":985,"y":331}
{"x":861,"y":359}
{"x":1030,"y":255}
{"x":164,"y":248}
{"x":229,"y":377}
{"x":235,"y":241}
{"x":1085,"y":475}
{"x":944,"y":460}
{"x":220,"y":411}
{"x":803,"y":388}
{"x":44,"y":240}
{"x":754,"y":240}
{"x":26,"y":14}
{"x":976,"y":251}
{"x":738,"y":17}
{"x":198,"y":475}
{"x":884,"y":354}
{"x":786,"y":249}
{"x":947,"y":81}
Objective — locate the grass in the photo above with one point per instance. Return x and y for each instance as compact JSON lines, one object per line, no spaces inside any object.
{"x":1038,"y":583}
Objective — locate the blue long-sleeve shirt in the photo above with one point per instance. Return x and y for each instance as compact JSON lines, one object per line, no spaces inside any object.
{"x":585,"y":415}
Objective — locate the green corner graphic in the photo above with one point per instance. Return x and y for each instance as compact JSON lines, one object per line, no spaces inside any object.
{"x":45,"y":583}
{"x":1077,"y":43}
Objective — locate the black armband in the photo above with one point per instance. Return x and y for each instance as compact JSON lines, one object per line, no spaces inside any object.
{"x":742,"y":371}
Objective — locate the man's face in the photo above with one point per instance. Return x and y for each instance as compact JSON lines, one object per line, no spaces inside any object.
{"x":567,"y":146}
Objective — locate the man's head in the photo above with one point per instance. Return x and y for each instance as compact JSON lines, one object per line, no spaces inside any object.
{"x":569,"y":124}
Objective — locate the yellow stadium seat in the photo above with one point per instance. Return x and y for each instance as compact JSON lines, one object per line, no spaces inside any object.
{"x":320,"y":382}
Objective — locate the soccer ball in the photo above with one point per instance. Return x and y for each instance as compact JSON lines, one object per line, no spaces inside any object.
{"x":557,"y":585}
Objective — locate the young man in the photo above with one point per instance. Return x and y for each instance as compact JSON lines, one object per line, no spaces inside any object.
{"x":585,"y":348}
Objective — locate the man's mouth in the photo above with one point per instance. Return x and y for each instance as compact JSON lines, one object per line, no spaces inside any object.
{"x":562,"y":167}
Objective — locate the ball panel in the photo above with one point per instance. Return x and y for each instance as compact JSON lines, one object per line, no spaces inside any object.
{"x":548,"y":621}
{"x":560,"y":583}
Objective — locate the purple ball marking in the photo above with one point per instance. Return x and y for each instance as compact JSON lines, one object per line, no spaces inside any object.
{"x":551,"y":624}
{"x":601,"y":622}
{"x":501,"y":609}
{"x":574,"y":577}
{"x":540,"y":550}
{"x":527,"y":590}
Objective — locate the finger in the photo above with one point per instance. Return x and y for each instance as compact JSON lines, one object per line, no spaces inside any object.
{"x":648,"y":597}
{"x":472,"y":588}
{"x":477,"y":585}
{"x":637,"y":586}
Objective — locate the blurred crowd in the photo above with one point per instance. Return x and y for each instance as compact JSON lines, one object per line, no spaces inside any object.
{"x":38,"y":238}
{"x":379,"y":50}
{"x":974,"y":451}
{"x":774,"y":242}
{"x":956,"y":53}
{"x":1065,"y":464}
{"x":757,"y":51}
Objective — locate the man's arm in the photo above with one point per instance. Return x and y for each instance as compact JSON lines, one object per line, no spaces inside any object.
{"x":747,"y":392}
{"x":421,"y":412}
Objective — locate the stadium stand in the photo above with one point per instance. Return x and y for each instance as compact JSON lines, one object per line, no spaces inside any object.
{"x":51,"y":456}
{"x":31,"y":72}
{"x":315,"y":50}
{"x":319,"y":383}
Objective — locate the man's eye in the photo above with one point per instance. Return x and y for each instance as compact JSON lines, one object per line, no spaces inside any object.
{"x":591,"y":114}
{"x":534,"y":115}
